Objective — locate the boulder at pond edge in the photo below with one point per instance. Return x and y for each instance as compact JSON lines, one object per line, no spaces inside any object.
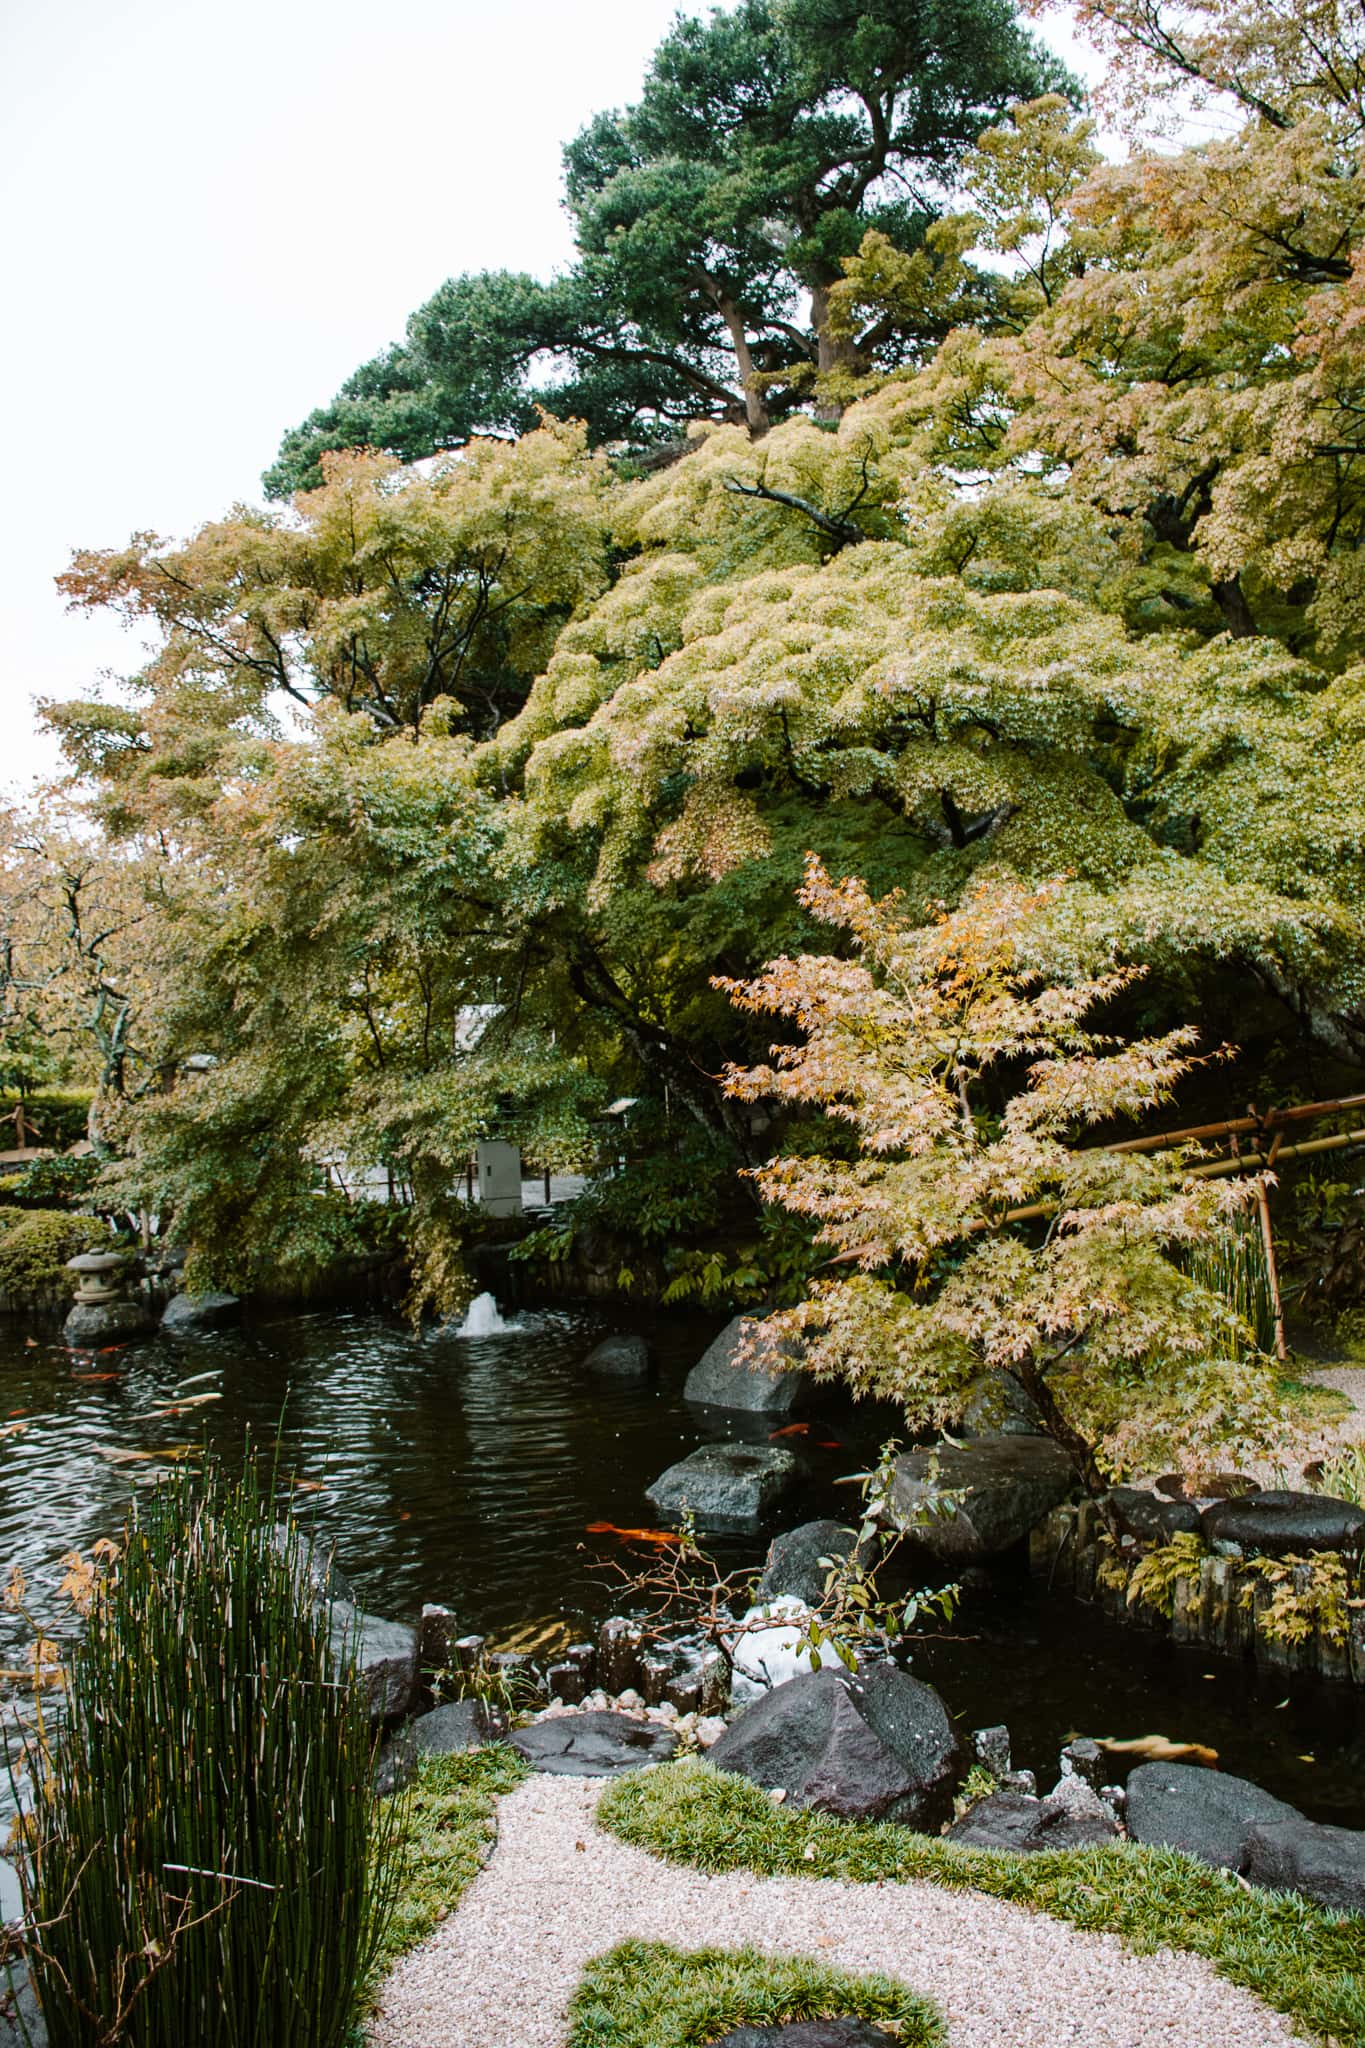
{"x":882,"y":1748}
{"x":187,"y":1314}
{"x":1007,"y":1484}
{"x":93,"y":1324}
{"x":772,"y":1385}
{"x":1208,"y":1814}
{"x":793,"y":1564}
{"x":386,"y":1657}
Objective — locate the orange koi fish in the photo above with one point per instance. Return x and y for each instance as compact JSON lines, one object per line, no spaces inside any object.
{"x":661,"y":1538}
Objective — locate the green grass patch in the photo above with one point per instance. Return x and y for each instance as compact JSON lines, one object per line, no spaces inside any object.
{"x":1303,"y":1961}
{"x":645,"y":1994}
{"x":445,"y":1833}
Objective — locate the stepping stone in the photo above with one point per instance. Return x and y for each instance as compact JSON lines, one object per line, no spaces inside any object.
{"x":810,"y":2034}
{"x":595,"y":1745}
{"x":1283,"y":1523}
{"x":727,"y":1486}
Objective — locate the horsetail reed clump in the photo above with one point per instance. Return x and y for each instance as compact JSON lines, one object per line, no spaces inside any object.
{"x":207,"y":1862}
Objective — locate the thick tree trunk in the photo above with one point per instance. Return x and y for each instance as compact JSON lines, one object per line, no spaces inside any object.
{"x":755,"y":407}
{"x":1231,"y":600}
{"x":832,"y":352}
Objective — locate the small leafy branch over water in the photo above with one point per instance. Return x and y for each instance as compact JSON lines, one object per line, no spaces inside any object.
{"x":204,"y":1859}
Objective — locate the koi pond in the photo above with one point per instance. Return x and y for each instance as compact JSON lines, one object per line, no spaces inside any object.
{"x":471,"y":1470}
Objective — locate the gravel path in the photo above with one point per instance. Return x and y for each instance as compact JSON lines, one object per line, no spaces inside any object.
{"x":499,"y":1972}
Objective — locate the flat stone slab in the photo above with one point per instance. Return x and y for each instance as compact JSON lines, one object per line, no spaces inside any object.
{"x":1282,"y":1523}
{"x":620,"y":1358}
{"x":810,"y":2034}
{"x":772,"y":1385}
{"x":1152,"y":1519}
{"x":595,"y":1745}
{"x":727,"y":1486}
{"x":1007,"y":1484}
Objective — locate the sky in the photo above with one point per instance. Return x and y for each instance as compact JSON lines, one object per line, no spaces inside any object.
{"x":209,"y":218}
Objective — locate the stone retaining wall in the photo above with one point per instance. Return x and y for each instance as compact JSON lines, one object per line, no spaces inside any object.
{"x":1224,"y":1606}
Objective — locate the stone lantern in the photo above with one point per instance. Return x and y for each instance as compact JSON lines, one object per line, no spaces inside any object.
{"x":104,"y":1311}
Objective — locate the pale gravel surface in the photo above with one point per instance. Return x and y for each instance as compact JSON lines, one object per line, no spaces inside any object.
{"x":500,"y":1971}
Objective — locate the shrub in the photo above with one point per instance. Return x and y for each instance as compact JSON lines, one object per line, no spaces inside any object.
{"x":62,"y":1179}
{"x":35,"y":1245}
{"x":208,"y":1862}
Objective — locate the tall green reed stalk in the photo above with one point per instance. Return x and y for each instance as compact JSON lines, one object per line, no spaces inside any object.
{"x":1233,"y":1264}
{"x":208,"y":1865}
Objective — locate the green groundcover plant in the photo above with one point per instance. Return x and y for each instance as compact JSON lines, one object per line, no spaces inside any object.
{"x":1301,"y":1960}
{"x":645,"y":1994}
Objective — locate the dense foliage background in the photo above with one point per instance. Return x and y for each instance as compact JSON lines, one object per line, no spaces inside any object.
{"x":892,"y":479}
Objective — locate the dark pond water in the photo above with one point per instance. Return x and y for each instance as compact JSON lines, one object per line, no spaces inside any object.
{"x":466,"y":1471}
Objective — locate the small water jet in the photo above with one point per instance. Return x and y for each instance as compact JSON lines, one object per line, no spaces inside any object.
{"x":483,"y":1320}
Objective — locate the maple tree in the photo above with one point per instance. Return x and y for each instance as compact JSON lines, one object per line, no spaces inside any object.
{"x":966,"y":1077}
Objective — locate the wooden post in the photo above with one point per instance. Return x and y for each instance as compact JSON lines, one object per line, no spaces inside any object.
{"x":1272,"y":1272}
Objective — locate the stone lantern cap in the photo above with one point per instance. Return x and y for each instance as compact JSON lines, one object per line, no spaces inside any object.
{"x":95,"y":1262}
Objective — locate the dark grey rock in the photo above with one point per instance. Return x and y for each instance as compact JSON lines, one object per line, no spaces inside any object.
{"x":810,"y":2034}
{"x":595,"y":1745}
{"x":93,"y":1324}
{"x":772,"y":1385}
{"x":1321,"y":1863}
{"x":998,"y":1406}
{"x":461,"y":1725}
{"x":1007,"y":1483}
{"x":814,"y":1739}
{"x":1151,"y":1519}
{"x":793,"y":1564}
{"x":620,"y":1358}
{"x":1026,"y":1827}
{"x":386,"y":1656}
{"x":727,"y":1486}
{"x":1208,"y":1814}
{"x":991,"y":1748}
{"x":1081,"y":1758}
{"x":396,"y":1764}
{"x":911,"y":1719}
{"x":1278,"y":1523}
{"x":187,"y":1314}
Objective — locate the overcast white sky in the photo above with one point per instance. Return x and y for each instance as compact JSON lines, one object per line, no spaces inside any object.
{"x":211,"y":215}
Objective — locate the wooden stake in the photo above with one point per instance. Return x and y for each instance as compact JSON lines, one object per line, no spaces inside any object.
{"x":1272,"y":1272}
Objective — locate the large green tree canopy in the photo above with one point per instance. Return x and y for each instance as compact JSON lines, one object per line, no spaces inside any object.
{"x":1070,"y":599}
{"x":711,"y":220}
